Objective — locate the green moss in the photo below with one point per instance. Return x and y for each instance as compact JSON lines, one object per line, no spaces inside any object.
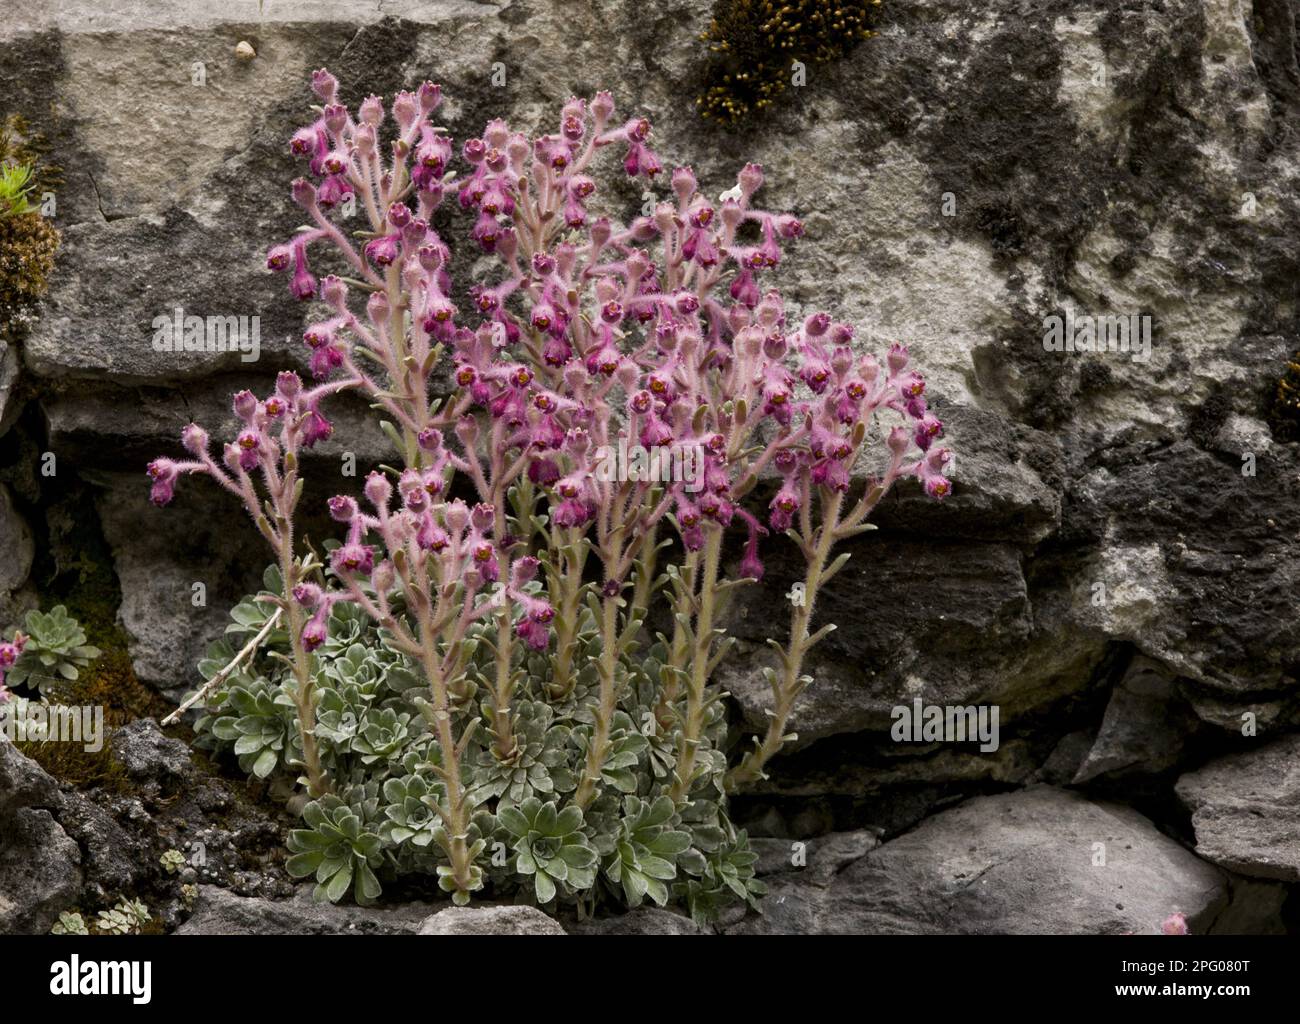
{"x":28,"y":242}
{"x":1285,"y":411}
{"x":753,"y":45}
{"x":110,"y":683}
{"x":19,"y":144}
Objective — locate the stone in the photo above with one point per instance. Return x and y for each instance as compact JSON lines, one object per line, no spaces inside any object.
{"x":503,"y":920}
{"x":641,"y":921}
{"x":40,"y":872}
{"x":1245,"y":810}
{"x":146,"y":753}
{"x":1255,"y":909}
{"x":159,"y":554}
{"x":16,"y":543}
{"x":220,"y":912}
{"x":1145,"y":728}
{"x":23,"y":783}
{"x":962,"y":177}
{"x":1015,"y":863}
{"x":9,"y":373}
{"x":951,"y":623}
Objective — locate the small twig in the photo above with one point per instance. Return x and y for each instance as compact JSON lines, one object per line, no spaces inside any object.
{"x":220,"y":677}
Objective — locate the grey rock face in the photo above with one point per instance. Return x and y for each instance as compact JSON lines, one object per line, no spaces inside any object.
{"x":1116,"y":465}
{"x":491,"y":921}
{"x":40,"y":866}
{"x":146,"y":753}
{"x":642,"y":921}
{"x":218,"y":912}
{"x":16,"y":543}
{"x":159,"y":555}
{"x":1017,"y":863}
{"x":1246,"y":810}
{"x":40,"y":872}
{"x":23,"y":783}
{"x":1145,"y":727}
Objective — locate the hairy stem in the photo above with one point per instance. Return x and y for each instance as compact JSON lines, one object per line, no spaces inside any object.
{"x":788,"y":686}
{"x":598,"y":748}
{"x":304,"y":695}
{"x":693,"y":726}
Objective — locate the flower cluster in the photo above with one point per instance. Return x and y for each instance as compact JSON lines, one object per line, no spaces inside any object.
{"x":587,"y":337}
{"x":9,"y":654}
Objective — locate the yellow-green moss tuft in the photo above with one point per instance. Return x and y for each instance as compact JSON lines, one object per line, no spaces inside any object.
{"x":753,"y":45}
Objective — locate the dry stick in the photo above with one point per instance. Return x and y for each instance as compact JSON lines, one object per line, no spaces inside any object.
{"x":224,"y":674}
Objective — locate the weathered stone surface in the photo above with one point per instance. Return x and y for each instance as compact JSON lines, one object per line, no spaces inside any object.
{"x":950,"y":623}
{"x":1015,"y":863}
{"x":23,"y":783}
{"x":219,"y":912}
{"x":1246,"y":810}
{"x":16,"y":543}
{"x":1145,"y":728}
{"x":40,"y":872}
{"x":797,"y":894}
{"x":159,"y":555}
{"x":1255,"y":909}
{"x":491,"y":921}
{"x":642,"y":921}
{"x":1196,"y":565}
{"x":9,"y":370}
{"x":146,"y":753}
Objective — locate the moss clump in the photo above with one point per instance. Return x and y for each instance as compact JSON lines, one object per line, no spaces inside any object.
{"x":1286,"y":400}
{"x":753,"y":45}
{"x":21,"y":146}
{"x":28,"y":243}
{"x":27,"y":248}
{"x":110,"y":683}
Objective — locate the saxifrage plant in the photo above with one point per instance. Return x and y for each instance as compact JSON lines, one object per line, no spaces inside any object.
{"x":467,"y":685}
{"x":54,"y":650}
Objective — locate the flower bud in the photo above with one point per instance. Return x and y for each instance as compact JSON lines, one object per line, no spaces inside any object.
{"x":684,"y":183}
{"x":378,"y":490}
{"x":244,"y":404}
{"x":342,"y":508}
{"x":430,"y":96}
{"x":371,"y":111}
{"x":324,"y":85}
{"x":194,"y":439}
{"x":304,"y":193}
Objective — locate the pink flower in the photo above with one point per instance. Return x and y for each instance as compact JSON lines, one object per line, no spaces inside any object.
{"x":349,"y":559}
{"x":1174,"y":924}
{"x":163,"y":473}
